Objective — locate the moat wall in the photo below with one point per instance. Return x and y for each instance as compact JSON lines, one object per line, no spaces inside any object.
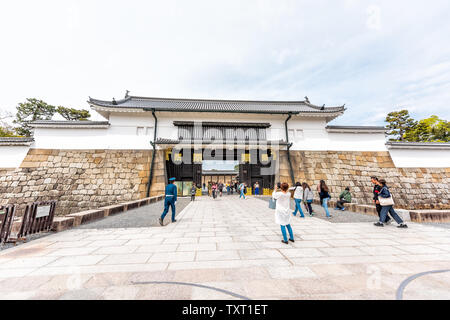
{"x":81,"y":179}
{"x":413,"y":188}
{"x":87,"y":179}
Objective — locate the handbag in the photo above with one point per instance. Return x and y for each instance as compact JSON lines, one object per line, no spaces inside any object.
{"x":272,"y":203}
{"x":384,"y":202}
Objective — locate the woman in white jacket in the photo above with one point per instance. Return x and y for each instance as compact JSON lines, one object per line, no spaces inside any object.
{"x":298,"y":196}
{"x":283,"y":211}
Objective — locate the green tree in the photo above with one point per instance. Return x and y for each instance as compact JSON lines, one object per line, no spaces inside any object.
{"x":431,"y":129}
{"x":399,"y":123}
{"x":72,"y":114}
{"x":7,"y":132}
{"x":32,"y":110}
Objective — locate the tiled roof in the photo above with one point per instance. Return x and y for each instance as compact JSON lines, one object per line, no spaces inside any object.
{"x":417,"y":145}
{"x":219,"y":172}
{"x":356,"y":129}
{"x":175,"y":141}
{"x":78,"y":124}
{"x":203,"y":105}
{"x":16,"y":141}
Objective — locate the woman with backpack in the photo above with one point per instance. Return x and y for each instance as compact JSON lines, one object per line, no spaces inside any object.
{"x":298,"y":196}
{"x":324,"y":194}
{"x":308,"y":198}
{"x":387,"y":205}
{"x":283,"y":211}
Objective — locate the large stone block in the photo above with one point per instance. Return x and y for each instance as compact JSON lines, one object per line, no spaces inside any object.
{"x":86,"y":216}
{"x":62,"y":223}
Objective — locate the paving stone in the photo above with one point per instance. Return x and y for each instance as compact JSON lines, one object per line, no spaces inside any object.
{"x":131,"y":258}
{"x":172,"y":256}
{"x":232,"y":245}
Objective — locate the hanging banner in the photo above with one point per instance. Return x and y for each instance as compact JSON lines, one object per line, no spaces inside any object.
{"x":198,"y":157}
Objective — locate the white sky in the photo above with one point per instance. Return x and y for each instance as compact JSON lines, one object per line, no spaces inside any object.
{"x":374,"y":56}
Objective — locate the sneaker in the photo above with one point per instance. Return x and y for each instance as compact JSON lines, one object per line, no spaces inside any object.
{"x":330,"y":216}
{"x":285,"y":242}
{"x":174,"y":221}
{"x":161,"y":222}
{"x":402,"y":226}
{"x":343,"y":209}
{"x":291,"y":240}
{"x":378,"y":224}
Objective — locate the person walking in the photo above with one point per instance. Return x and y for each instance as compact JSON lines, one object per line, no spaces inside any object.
{"x":214,"y":190}
{"x":169,"y":201}
{"x":209,"y":189}
{"x":256,"y":186}
{"x":228,"y":189}
{"x":376,"y":192}
{"x":298,"y":196}
{"x":308,"y":198}
{"x":283,"y":211}
{"x":324,"y":196}
{"x":220,"y":189}
{"x":387,"y":205}
{"x":242,"y":190}
{"x":344,"y":197}
{"x":193,"y":192}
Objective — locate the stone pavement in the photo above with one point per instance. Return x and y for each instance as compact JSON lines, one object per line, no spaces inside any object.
{"x":230,"y":249}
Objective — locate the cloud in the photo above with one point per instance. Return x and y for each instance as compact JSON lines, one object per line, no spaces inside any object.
{"x":374,"y":58}
{"x":373,"y":17}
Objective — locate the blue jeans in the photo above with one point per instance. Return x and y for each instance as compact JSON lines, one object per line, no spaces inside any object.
{"x":390,"y":209}
{"x":325,"y":206}
{"x":309,"y":206}
{"x":242,"y":194}
{"x":283,"y":231}
{"x":298,"y":207}
{"x":256,"y":191}
{"x":169,"y":202}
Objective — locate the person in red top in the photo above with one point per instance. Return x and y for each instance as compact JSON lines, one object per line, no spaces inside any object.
{"x":376,"y":192}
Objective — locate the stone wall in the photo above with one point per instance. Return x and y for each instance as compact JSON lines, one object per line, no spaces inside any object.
{"x":413,"y":188}
{"x":88,"y":179}
{"x":81,"y":179}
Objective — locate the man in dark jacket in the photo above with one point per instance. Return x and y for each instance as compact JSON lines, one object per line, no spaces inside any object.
{"x":169,"y":201}
{"x":376,"y":191}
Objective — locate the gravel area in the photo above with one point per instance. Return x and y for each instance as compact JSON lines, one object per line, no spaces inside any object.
{"x":29,"y":238}
{"x":137,"y":218}
{"x":142,"y":217}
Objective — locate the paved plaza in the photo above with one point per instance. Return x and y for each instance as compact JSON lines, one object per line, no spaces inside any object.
{"x":230,"y":249}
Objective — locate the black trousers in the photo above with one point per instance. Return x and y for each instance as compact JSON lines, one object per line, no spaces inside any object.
{"x":340,"y":204}
{"x":192,"y":197}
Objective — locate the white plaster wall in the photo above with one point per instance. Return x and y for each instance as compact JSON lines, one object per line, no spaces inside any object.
{"x":356,"y":141}
{"x":12,"y":156}
{"x":122,"y":134}
{"x":420,"y":158}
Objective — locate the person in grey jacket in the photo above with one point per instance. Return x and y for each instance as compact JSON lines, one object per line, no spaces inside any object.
{"x":308,"y":197}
